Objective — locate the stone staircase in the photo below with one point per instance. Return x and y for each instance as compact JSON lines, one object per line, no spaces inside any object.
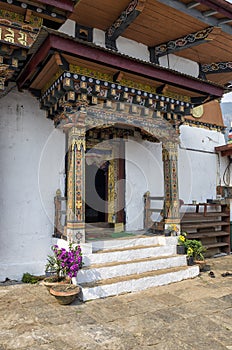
{"x":128,"y":265}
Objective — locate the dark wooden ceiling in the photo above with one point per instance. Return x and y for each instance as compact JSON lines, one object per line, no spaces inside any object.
{"x":159,"y":23}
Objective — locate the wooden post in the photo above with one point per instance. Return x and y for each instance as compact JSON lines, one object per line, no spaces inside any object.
{"x":147,"y":206}
{"x":57,"y":218}
{"x":171,"y":195}
{"x":76,"y":185}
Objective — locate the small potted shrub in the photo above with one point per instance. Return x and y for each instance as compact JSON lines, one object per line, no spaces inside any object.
{"x":196,"y":250}
{"x":64,"y":265}
{"x":171,"y":230}
{"x":181,"y":243}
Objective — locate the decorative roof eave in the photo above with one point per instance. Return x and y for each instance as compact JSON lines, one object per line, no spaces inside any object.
{"x":51,"y":39}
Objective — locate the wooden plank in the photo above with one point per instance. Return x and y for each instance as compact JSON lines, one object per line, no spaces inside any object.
{"x":204,"y":225}
{"x":207,"y":234}
{"x":177,"y":5}
{"x":201,"y":215}
{"x":216,"y":245}
{"x":46,"y":74}
{"x":101,"y":14}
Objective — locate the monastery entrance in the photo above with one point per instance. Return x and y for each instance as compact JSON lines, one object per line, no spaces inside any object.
{"x":104,"y":180}
{"x":96,"y":168}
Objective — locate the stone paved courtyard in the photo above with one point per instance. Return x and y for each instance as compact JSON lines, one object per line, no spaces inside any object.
{"x":193,"y":314}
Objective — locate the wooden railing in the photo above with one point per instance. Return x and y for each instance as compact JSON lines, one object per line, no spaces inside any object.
{"x":148,"y":210}
{"x":60,"y":216}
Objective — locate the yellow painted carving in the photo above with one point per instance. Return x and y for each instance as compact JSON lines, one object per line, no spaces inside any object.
{"x":90,"y":73}
{"x":111,"y":191}
{"x":198,"y":111}
{"x":124,"y":82}
{"x":9,"y":16}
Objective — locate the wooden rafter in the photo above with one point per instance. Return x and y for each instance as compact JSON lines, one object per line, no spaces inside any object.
{"x":193,"y":39}
{"x":193,"y":4}
{"x":193,"y":12}
{"x":216,"y":6}
{"x":132,"y":11}
{"x":209,"y":13}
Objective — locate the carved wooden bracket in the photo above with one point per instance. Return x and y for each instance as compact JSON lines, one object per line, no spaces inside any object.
{"x":185,"y":42}
{"x":217,"y":67}
{"x":134,"y":9}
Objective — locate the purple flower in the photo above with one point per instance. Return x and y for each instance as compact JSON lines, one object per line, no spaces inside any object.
{"x":66,"y":262}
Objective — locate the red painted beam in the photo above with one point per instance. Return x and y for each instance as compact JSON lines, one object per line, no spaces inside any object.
{"x":123,"y":63}
{"x":120,"y":63}
{"x":65,"y":5}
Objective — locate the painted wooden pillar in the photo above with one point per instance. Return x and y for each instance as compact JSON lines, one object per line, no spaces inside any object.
{"x":116,"y":190}
{"x":171,"y":194}
{"x":76,"y":185}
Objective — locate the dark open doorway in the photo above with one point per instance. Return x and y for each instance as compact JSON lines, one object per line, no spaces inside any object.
{"x":95,"y":194}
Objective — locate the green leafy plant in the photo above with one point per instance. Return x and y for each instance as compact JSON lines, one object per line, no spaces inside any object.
{"x":28,"y":278}
{"x":195,"y":249}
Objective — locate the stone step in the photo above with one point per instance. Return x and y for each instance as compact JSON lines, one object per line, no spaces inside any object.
{"x":128,"y":254}
{"x":136,"y":266}
{"x":132,"y":242}
{"x":136,"y":282}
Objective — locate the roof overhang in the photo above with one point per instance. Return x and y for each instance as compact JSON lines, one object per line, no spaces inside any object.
{"x":50,"y":41}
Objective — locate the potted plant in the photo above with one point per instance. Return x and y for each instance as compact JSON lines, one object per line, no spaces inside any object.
{"x":53,"y":269}
{"x":65,"y":264}
{"x":181,"y":243}
{"x":171,"y":230}
{"x":190,"y":260}
{"x":196,"y":250}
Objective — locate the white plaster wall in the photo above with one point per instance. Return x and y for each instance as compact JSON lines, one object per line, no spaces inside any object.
{"x":200,"y":168}
{"x":133,"y":49}
{"x":144,"y":172}
{"x":180,"y":64}
{"x":99,"y":37}
{"x":31,"y":157}
{"x":68,"y":27}
{"x":140,"y":51}
{"x":125,"y":46}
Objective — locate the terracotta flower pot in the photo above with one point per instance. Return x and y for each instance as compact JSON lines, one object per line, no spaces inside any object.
{"x":52,"y":281}
{"x":65,"y":294}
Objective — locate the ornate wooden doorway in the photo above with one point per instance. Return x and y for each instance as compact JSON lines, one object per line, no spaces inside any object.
{"x":104,"y":178}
